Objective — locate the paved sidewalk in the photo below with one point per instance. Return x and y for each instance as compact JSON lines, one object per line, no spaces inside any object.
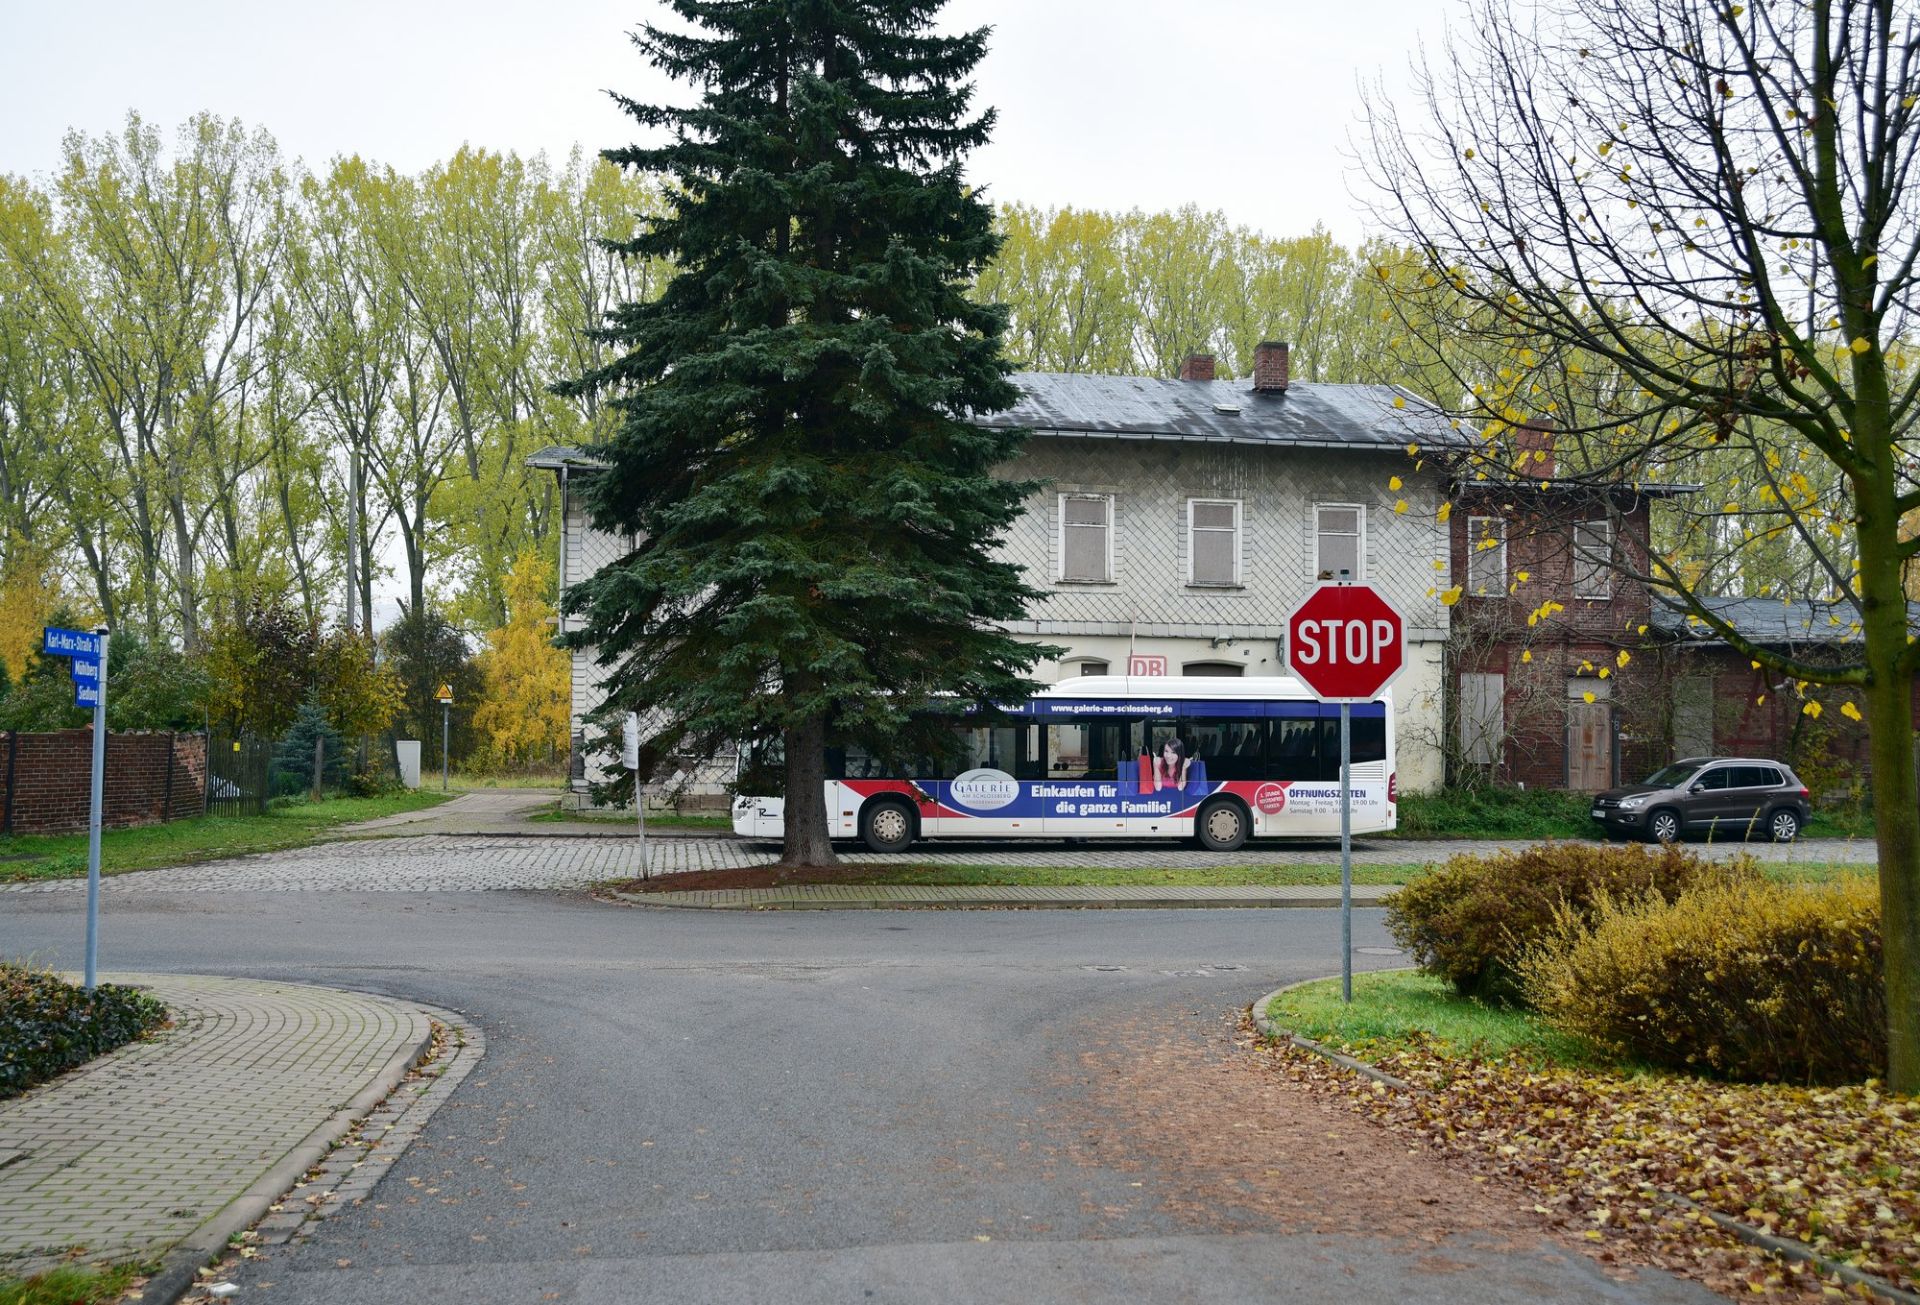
{"x":838,"y":897}
{"x":508,"y":813}
{"x":144,"y":1149}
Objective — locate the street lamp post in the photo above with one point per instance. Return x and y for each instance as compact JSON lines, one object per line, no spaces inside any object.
{"x":446,"y":730}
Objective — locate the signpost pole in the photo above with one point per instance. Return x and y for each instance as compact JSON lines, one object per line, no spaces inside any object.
{"x":1346,"y":852}
{"x":446,"y":734}
{"x":93,"y":816}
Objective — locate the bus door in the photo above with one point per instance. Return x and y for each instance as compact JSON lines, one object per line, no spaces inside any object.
{"x":1171,"y":780}
{"x":1303,"y":762}
{"x":991,"y":792}
{"x":1093,"y":772}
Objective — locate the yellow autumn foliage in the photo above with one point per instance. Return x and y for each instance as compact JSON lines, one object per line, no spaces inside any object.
{"x":1738,"y":976}
{"x":27,"y":598}
{"x":523,"y":713}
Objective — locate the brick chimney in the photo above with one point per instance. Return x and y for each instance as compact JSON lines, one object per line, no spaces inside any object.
{"x":1197,"y":367}
{"x":1270,"y":367}
{"x":1533,"y":449}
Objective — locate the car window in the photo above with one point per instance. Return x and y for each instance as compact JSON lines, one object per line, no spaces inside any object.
{"x":1717,"y":778}
{"x":1769,"y":776}
{"x":1670,"y":776}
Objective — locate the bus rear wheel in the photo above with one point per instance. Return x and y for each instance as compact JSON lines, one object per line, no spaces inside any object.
{"x":887,"y":826}
{"x":1221,"y":826}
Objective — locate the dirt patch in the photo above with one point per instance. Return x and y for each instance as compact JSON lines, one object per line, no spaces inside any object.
{"x":1239,"y":1147}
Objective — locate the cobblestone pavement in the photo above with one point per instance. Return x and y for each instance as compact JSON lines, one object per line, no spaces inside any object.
{"x":133,"y":1153}
{"x":478,"y":864}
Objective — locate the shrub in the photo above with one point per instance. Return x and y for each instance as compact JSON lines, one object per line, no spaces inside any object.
{"x":1737,"y":977}
{"x":1468,"y":921}
{"x":48,"y":1026}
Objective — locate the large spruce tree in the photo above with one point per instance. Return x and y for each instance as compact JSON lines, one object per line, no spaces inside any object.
{"x":816,"y":515}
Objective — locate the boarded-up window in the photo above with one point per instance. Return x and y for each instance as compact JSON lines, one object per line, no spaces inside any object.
{"x":1693,"y":716}
{"x":1483,"y":718}
{"x":1593,"y":559}
{"x":1086,"y":537}
{"x":1213,"y":533}
{"x":1486,"y":556}
{"x":1340,"y":541}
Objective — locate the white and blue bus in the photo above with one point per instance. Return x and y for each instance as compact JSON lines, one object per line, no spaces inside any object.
{"x":1216,"y":760}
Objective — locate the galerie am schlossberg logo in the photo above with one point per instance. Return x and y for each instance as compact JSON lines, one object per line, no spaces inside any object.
{"x":985,"y":790}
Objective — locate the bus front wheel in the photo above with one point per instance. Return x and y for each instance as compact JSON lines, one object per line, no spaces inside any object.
{"x":887,"y":826}
{"x":1221,"y":826}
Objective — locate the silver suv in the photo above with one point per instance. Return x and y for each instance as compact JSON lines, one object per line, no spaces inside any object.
{"x":1727,"y":797}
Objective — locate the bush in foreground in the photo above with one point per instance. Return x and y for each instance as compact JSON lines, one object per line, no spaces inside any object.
{"x":48,"y":1026}
{"x":1468,"y":921}
{"x":1738,"y":977}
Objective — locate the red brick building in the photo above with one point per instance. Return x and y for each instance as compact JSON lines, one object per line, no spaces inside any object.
{"x":1565,"y":672}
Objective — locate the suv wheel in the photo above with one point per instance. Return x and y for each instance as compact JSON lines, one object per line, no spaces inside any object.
{"x":1222,"y":826}
{"x":1784,"y":825}
{"x":887,"y":826}
{"x":1663,"y":826}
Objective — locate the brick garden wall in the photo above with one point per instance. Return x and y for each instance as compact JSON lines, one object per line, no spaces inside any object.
{"x":151,"y":777}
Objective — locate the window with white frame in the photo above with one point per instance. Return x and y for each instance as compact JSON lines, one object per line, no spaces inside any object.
{"x":1486,"y":556}
{"x":1340,"y":541}
{"x":1593,"y":559}
{"x":1086,"y":538}
{"x":1213,"y":541}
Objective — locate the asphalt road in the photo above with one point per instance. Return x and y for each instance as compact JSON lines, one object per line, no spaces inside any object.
{"x":862,"y":1106}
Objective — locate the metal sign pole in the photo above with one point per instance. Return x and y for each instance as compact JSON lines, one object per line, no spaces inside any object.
{"x":446,"y":733}
{"x":93,"y":816}
{"x":1346,"y":852}
{"x":640,"y":805}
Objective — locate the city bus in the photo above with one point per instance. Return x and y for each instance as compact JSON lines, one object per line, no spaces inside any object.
{"x":1218,"y":761}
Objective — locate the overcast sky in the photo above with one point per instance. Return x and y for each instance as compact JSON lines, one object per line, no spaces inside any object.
{"x":1240,"y":105}
{"x":1245,"y":106}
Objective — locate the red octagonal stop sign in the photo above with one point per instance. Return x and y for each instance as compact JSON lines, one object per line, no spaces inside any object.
{"x":1346,"y":641}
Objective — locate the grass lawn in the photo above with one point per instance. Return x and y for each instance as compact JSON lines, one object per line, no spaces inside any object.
{"x":291,"y":823}
{"x":74,"y":1284}
{"x":1543,"y":813}
{"x":655,"y":820}
{"x":1394,"y":1009}
{"x":1066,"y":876}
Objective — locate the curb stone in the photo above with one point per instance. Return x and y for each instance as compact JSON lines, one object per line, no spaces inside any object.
{"x":325,"y":1164}
{"x":1786,"y":1247}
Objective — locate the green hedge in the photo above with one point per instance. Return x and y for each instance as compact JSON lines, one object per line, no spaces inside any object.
{"x":48,"y":1026}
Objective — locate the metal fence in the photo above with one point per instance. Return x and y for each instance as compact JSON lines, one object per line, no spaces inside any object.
{"x":239,"y":774}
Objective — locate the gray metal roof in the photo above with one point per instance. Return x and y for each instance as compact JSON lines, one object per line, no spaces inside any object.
{"x":1770,"y":620}
{"x":1148,"y":407}
{"x":1230,"y":412}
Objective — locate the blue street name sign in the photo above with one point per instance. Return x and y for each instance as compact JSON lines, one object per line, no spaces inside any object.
{"x":86,"y":694}
{"x":71,"y":643}
{"x":85,"y":670}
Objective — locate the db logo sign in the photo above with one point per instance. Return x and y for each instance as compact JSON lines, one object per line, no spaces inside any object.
{"x":1271,"y":798}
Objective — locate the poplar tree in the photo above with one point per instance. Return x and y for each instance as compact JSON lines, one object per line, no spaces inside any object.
{"x":815,"y":511}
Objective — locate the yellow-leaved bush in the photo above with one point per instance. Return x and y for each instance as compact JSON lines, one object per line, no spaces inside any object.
{"x":1467,"y":920}
{"x":1738,"y":977}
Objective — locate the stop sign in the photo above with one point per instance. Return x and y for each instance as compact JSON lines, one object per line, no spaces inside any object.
{"x":1346,"y":641}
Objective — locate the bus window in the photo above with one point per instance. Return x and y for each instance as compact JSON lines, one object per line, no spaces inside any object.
{"x":1231,"y":747}
{"x":1294,"y":750}
{"x":1367,"y":738}
{"x":1092,"y":748}
{"x":1014,"y":749}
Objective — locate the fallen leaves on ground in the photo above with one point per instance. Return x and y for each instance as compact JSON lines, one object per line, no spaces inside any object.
{"x":1836,"y":1168}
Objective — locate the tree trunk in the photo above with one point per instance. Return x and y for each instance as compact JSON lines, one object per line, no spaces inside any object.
{"x":806,"y":842}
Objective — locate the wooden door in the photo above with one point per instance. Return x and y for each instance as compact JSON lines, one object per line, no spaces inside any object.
{"x":1589,"y":741}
